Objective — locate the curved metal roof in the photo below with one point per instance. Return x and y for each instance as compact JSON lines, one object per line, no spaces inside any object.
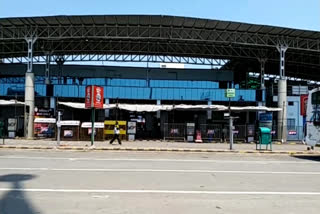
{"x":157,"y":20}
{"x":156,"y":35}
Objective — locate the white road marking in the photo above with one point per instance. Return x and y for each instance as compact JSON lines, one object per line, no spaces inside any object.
{"x":160,"y":160}
{"x":158,"y":191}
{"x":162,"y":170}
{"x":100,"y":196}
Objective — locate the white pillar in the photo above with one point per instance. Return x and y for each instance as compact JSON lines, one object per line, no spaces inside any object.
{"x":209,"y":112}
{"x":29,"y":103}
{"x":158,"y":112}
{"x":47,"y":81}
{"x":107,"y":111}
{"x":262,"y":87}
{"x":29,"y":91}
{"x":282,"y":96}
{"x":282,"y":115}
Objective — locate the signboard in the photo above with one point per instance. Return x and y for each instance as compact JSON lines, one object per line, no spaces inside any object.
{"x":132,"y":127}
{"x":230,"y":93}
{"x":43,"y":112}
{"x":292,"y":132}
{"x":68,"y":133}
{"x":303,"y":104}
{"x":94,"y":97}
{"x":98,"y":125}
{"x":45,"y":120}
{"x":190,"y":129}
{"x":12,"y":124}
{"x":265,"y":120}
{"x":70,"y":123}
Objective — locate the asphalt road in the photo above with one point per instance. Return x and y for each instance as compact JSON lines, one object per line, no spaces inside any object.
{"x":137,"y":182}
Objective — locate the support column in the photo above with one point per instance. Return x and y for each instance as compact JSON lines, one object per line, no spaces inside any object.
{"x":107,"y":111}
{"x":158,"y":112}
{"x":262,"y":85}
{"x":60,"y":61}
{"x":262,"y":102}
{"x":47,"y":82}
{"x":282,"y":96}
{"x":29,"y":91}
{"x":209,"y":112}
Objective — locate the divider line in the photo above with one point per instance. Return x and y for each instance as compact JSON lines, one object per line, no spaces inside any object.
{"x":160,"y":160}
{"x":159,"y":191}
{"x":163,"y":170}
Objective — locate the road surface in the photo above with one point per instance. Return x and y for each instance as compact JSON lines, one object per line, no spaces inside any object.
{"x":157,"y":182}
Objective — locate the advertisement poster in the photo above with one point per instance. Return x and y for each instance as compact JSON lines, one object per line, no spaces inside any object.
{"x":94,"y":97}
{"x":98,"y":97}
{"x":303,"y":104}
{"x":44,"y":130}
{"x":12,"y":124}
{"x":88,"y":97}
{"x":132,"y":127}
{"x":90,"y":130}
{"x":68,"y":133}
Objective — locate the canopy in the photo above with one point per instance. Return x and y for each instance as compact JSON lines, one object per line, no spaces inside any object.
{"x":154,"y":107}
{"x":10,"y":102}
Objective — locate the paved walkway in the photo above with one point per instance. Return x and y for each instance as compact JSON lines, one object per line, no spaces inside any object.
{"x":292,"y":148}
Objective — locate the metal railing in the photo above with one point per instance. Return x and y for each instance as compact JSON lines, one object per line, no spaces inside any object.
{"x":220,"y":133}
{"x":174,"y":131}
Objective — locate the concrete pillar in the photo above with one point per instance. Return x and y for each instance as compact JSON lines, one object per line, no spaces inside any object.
{"x":262,"y":87}
{"x":282,"y":115}
{"x":247,"y":117}
{"x":47,"y":81}
{"x":106,"y":111}
{"x":29,"y":91}
{"x":158,"y":112}
{"x":53,"y":103}
{"x":209,"y":112}
{"x":29,"y":103}
{"x":282,"y":96}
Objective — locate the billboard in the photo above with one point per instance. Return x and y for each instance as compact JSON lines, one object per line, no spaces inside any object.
{"x":94,"y":97}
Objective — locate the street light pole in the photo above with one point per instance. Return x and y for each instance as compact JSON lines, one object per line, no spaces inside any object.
{"x":92,"y":125}
{"x":59,"y":128}
{"x":230,"y":126}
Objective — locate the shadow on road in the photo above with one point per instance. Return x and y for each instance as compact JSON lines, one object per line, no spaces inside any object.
{"x":15,"y":200}
{"x":308,"y":157}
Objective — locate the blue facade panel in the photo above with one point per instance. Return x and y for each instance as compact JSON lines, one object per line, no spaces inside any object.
{"x":135,"y":89}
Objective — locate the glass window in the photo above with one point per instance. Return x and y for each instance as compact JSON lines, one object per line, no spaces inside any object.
{"x":291,"y":123}
{"x":315,"y":98}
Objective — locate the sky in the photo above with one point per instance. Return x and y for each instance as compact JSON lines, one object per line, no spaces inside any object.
{"x":301,"y":14}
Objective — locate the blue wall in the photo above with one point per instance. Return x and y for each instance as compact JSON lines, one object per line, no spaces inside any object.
{"x":132,"y":89}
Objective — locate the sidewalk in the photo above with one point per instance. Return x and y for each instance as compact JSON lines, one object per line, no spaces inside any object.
{"x":154,"y":146}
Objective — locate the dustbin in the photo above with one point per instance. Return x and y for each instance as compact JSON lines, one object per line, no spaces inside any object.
{"x":1,"y":129}
{"x":264,"y":137}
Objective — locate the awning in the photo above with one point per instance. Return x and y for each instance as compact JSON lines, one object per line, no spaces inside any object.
{"x":10,"y":102}
{"x":45,"y":120}
{"x":154,"y":108}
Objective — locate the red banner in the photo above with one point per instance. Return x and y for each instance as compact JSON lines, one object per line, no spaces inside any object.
{"x":88,"y":97}
{"x":303,"y":104}
{"x":94,"y":97}
{"x":98,"y":97}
